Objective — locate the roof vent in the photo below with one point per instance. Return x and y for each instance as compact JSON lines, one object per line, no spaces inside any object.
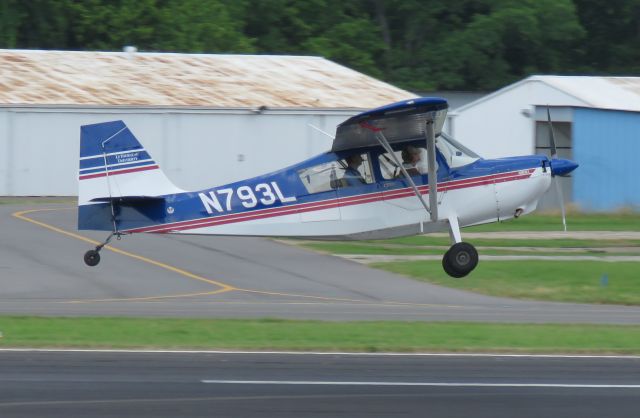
{"x":130,"y":50}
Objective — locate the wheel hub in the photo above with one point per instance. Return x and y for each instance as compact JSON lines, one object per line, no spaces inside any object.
{"x":463,"y":258}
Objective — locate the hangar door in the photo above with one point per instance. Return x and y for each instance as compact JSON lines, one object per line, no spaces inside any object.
{"x":563,"y":136}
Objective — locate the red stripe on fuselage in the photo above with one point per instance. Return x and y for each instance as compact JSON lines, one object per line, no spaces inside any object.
{"x":263,"y":213}
{"x":116,"y":172}
{"x":332,"y":203}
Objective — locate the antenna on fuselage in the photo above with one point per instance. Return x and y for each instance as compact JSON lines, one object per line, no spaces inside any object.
{"x":321,"y":131}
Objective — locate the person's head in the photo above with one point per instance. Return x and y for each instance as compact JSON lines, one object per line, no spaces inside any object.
{"x":354,"y":160}
{"x":410,"y":154}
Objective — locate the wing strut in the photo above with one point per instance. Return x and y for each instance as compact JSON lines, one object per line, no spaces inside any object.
{"x":433,"y":176}
{"x":385,"y":144}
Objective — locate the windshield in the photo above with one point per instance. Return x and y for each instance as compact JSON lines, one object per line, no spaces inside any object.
{"x":454,"y":152}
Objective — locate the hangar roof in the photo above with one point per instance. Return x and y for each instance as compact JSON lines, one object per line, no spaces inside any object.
{"x":81,"y":78}
{"x":615,"y":93}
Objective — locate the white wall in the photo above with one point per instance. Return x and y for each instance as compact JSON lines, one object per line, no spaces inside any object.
{"x":496,"y":126}
{"x":6,"y":153}
{"x":197,"y":149}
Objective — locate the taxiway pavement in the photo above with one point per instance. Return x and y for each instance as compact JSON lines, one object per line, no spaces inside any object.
{"x":42,"y":273}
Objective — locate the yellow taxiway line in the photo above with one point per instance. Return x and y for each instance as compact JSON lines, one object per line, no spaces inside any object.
{"x":223,"y":287}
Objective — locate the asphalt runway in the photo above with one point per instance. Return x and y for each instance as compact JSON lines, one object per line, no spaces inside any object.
{"x":42,"y":273}
{"x":137,"y":384}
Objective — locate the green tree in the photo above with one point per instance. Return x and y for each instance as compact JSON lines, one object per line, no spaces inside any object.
{"x":613,"y":35}
{"x":481,"y":45}
{"x":515,"y":40}
{"x":158,"y":25}
{"x":337,"y":30}
{"x":10,"y":16}
{"x":201,"y":26}
{"x":37,"y":23}
{"x":415,"y":31}
{"x":110,"y":25}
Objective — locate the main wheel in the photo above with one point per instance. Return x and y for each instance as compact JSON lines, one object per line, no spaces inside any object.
{"x":92,"y":258}
{"x":461,"y":259}
{"x":446,"y":265}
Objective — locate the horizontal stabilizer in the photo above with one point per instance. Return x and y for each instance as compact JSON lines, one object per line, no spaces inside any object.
{"x":128,"y":199}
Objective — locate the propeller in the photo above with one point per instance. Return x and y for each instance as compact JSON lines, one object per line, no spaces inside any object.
{"x":552,"y":136}
{"x":559,"y":167}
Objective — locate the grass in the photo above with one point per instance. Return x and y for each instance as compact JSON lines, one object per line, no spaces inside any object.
{"x":370,"y":248}
{"x":426,"y":240}
{"x":576,"y":221}
{"x":269,"y":334}
{"x":566,"y":281}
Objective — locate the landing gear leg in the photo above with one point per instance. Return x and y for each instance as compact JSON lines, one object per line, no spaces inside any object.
{"x":462,"y":257}
{"x":92,"y":257}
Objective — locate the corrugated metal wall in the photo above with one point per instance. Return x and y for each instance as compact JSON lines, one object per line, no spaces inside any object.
{"x":39,"y":147}
{"x":607,"y":147}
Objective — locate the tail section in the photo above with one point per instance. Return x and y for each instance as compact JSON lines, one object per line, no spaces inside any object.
{"x":114,"y":164}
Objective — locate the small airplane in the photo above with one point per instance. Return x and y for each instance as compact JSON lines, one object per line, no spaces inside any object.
{"x":391,"y":172}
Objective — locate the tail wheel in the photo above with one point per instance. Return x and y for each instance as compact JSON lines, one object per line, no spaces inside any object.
{"x":92,"y":258}
{"x":460,"y":260}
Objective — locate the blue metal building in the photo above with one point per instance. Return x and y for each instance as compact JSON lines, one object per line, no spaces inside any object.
{"x":606,"y":143}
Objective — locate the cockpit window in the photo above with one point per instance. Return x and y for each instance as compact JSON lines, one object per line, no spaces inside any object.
{"x":456,"y":154}
{"x":412,"y":158}
{"x":354,"y":170}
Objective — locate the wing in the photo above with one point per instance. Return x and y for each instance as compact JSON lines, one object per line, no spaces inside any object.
{"x":400,"y":122}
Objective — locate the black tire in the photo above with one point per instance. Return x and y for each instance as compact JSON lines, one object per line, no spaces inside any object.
{"x":448,"y":268}
{"x":92,"y":258}
{"x":462,"y":258}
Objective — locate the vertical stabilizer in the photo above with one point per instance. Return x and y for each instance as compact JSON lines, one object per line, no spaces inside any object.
{"x":113,"y":163}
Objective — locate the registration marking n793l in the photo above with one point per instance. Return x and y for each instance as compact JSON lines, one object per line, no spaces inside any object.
{"x":221,"y":200}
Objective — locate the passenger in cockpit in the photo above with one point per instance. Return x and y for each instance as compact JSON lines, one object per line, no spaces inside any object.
{"x":411,"y":157}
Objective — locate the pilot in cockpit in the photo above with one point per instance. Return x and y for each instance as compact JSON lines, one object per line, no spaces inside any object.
{"x":352,"y":176}
{"x":411,"y":157}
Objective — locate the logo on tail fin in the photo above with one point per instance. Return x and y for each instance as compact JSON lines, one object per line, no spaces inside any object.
{"x":111,"y":149}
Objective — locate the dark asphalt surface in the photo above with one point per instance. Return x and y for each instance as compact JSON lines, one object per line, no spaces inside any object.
{"x":42,"y":273}
{"x":102,"y":384}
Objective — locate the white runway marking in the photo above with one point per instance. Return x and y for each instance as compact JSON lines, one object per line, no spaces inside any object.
{"x":319,"y":353}
{"x":433,"y":384}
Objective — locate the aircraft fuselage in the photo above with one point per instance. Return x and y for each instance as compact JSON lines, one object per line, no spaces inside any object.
{"x":277,"y":204}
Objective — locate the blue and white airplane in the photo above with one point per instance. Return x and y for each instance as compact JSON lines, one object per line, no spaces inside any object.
{"x":391,"y":172}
